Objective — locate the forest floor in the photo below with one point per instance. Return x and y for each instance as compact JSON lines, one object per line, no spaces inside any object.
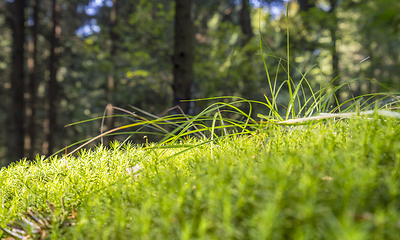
{"x":329,"y":180}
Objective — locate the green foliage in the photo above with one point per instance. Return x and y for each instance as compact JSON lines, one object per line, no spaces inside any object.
{"x":141,"y":64}
{"x":330,"y":180}
{"x":39,"y":225}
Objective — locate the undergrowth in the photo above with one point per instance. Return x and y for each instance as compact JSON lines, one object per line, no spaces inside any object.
{"x":330,"y":180}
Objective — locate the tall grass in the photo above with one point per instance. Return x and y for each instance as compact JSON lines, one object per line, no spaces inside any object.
{"x":230,"y":120}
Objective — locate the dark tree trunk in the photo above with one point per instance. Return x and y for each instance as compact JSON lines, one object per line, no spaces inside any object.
{"x":52,"y":91}
{"x":305,"y":5}
{"x":111,"y":76}
{"x":308,"y":18}
{"x":183,"y":55}
{"x":247,"y":70}
{"x":333,"y":50}
{"x":32,"y":85}
{"x":16,"y":122}
{"x":372,"y":88}
{"x":245,"y":22}
{"x":335,"y":62}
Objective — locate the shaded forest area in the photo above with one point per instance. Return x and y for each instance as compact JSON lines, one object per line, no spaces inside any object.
{"x":67,"y":61}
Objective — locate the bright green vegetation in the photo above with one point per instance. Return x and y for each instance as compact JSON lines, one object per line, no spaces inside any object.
{"x":328,"y":180}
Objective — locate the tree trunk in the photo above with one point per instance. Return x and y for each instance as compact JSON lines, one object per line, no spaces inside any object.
{"x":372,"y":88}
{"x":183,"y":55}
{"x":333,"y":49}
{"x":16,"y":121}
{"x":52,"y":91}
{"x":110,"y":121}
{"x":245,"y":22}
{"x":247,"y":71}
{"x":32,"y":85}
{"x":305,"y":5}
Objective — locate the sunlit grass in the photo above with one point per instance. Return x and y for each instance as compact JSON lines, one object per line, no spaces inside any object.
{"x":225,"y":174}
{"x":328,"y":180}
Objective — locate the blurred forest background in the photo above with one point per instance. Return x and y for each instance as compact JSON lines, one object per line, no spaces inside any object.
{"x":64,"y":61}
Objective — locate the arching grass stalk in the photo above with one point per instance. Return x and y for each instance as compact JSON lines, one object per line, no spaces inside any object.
{"x":183,"y":123}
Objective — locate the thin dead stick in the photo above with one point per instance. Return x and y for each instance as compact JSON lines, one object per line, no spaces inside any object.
{"x":142,"y":118}
{"x":122,"y":110}
{"x":183,"y":113}
{"x":277,"y":102}
{"x":118,"y":128}
{"x":65,"y":157}
{"x":351,"y":91}
{"x":222,"y":121}
{"x":170,"y":109}
{"x":102,"y":122}
{"x":95,"y":138}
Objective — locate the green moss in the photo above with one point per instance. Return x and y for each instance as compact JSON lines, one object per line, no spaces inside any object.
{"x":324,"y":181}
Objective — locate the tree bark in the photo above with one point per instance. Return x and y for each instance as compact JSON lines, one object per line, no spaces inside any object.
{"x":110,"y":121}
{"x":16,"y":121}
{"x":247,"y":70}
{"x":245,"y":22}
{"x":333,"y":49}
{"x":32,"y":85}
{"x":305,"y":5}
{"x":52,"y":91}
{"x":183,"y":57}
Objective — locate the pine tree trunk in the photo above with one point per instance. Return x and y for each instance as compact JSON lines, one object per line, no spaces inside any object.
{"x":111,"y":76}
{"x":32,"y":85}
{"x":16,"y":120}
{"x":335,"y":55}
{"x":245,"y":22}
{"x":183,"y":55}
{"x":247,"y":70}
{"x":305,"y":5}
{"x":52,"y":91}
